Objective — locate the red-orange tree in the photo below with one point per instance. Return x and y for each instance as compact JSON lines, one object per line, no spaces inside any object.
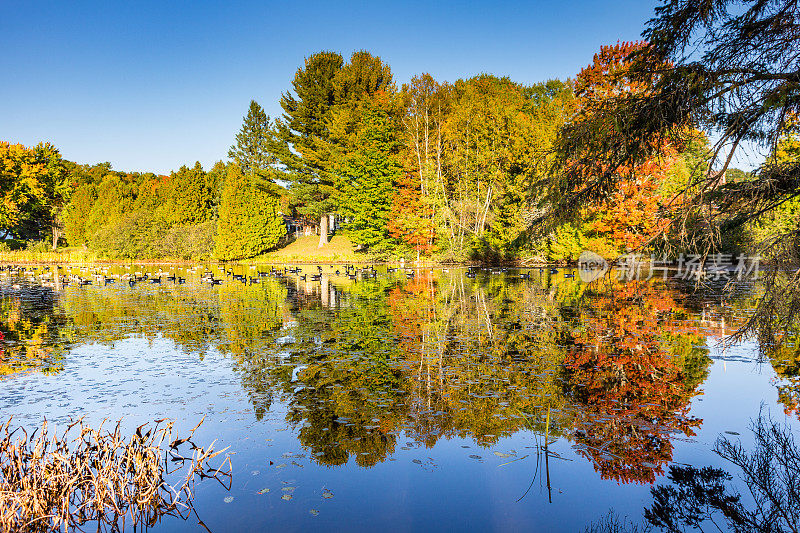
{"x":628,"y":212}
{"x":411,"y":218}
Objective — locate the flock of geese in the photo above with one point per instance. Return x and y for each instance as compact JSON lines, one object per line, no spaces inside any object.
{"x":100,"y":275}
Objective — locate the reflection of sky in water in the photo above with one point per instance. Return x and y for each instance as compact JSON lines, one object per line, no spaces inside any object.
{"x":453,"y":485}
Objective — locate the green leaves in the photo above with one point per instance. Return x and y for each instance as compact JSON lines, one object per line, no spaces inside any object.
{"x":366,"y":178}
{"x":249,"y":222}
{"x":252,"y":151}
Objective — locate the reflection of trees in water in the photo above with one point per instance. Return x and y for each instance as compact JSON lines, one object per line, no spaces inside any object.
{"x":699,"y":498}
{"x":436,"y":356}
{"x":476,"y":366}
{"x":34,"y":331}
{"x":347,"y":393}
{"x":632,"y":369}
{"x":235,"y":319}
{"x":786,"y":362}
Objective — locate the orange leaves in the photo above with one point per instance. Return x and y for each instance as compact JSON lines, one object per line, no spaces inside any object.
{"x":631,"y":213}
{"x":634,"y":388}
{"x":411,"y":219}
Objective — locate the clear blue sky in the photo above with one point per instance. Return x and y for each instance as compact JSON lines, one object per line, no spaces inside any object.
{"x":154,"y":85}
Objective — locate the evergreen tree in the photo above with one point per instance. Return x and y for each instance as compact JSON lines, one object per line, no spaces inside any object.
{"x":249,"y":222}
{"x":367,"y":177}
{"x":251,"y":151}
{"x":324,"y":87}
{"x":190,"y":198}
{"x":302,"y":134}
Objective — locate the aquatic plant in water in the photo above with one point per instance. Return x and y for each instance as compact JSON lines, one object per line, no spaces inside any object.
{"x":51,"y":481}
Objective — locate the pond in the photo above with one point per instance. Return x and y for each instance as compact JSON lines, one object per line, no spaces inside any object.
{"x":428,"y":399}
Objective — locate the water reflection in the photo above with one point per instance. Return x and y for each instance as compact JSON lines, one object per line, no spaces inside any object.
{"x":34,"y":329}
{"x":430,"y":355}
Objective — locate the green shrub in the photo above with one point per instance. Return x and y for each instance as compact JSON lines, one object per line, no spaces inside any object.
{"x":249,"y":223}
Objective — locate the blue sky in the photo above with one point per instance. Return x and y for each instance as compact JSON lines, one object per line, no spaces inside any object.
{"x":154,"y":85}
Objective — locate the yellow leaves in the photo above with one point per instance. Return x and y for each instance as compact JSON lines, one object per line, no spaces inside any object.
{"x":26,"y":173}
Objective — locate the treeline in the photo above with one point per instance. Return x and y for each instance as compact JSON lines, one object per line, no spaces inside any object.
{"x":454,"y":171}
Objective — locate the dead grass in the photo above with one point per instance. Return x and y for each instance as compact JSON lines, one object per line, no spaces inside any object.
{"x":96,"y":478}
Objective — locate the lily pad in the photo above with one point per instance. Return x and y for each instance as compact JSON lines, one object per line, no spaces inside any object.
{"x":286,"y":497}
{"x":313,"y":512}
{"x":327,"y":494}
{"x":264,"y":490}
{"x":228,"y":499}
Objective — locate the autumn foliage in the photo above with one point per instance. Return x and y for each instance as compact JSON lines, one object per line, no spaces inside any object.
{"x":630,"y":368}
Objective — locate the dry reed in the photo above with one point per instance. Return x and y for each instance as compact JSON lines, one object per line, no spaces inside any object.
{"x":96,"y":478}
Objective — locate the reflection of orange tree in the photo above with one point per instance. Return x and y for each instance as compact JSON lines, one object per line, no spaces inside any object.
{"x":634,"y":366}
{"x":786,"y":363}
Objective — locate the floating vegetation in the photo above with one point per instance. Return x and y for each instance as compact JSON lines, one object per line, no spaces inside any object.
{"x":98,"y":479}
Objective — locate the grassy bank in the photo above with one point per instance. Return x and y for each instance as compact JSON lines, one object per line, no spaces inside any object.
{"x":305,"y":250}
{"x":340,"y":249}
{"x":62,"y":255}
{"x":74,"y":256}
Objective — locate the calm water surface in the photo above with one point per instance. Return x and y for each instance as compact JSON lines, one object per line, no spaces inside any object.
{"x":440,"y":401}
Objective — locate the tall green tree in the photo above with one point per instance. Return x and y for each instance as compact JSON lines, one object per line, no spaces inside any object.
{"x":305,"y":145}
{"x":301,"y":134}
{"x":249,"y":220}
{"x":367,"y":176}
{"x":252,"y":149}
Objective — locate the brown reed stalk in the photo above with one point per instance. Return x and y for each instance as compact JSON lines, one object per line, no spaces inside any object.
{"x":96,"y":478}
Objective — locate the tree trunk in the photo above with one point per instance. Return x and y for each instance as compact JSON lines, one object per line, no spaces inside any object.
{"x":56,"y":236}
{"x":323,"y":231}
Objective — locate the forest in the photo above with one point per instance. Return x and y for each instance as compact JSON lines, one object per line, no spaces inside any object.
{"x":442,"y":171}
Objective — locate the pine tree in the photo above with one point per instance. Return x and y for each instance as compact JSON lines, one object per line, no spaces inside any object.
{"x":367,"y":177}
{"x":252,"y":149}
{"x":324,"y":86}
{"x":249,"y":222}
{"x":190,"y":196}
